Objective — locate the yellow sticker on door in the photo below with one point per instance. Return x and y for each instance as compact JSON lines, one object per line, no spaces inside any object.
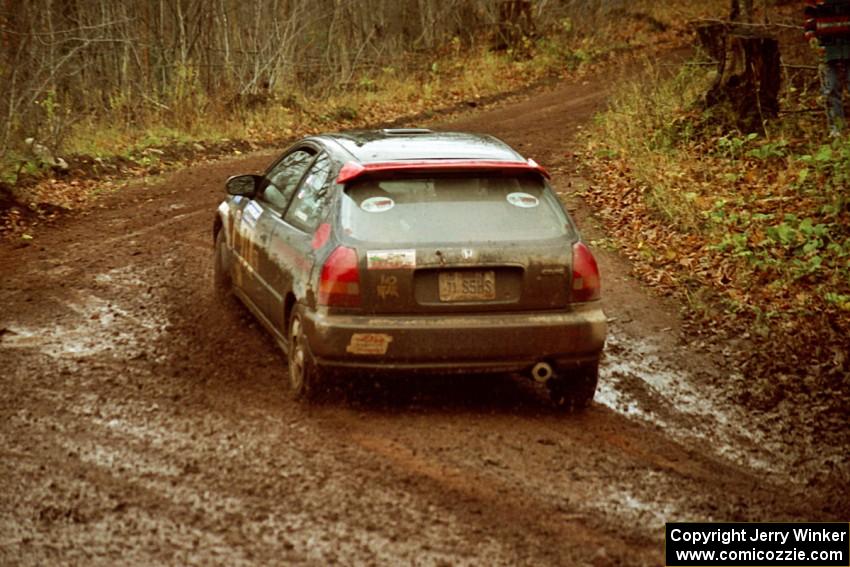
{"x":369,"y":343}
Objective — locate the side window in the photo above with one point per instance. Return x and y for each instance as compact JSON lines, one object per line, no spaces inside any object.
{"x":284,"y":177}
{"x":305,"y":212}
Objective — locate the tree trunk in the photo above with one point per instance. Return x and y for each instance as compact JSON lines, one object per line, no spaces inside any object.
{"x":748,"y":75}
{"x":741,"y":10}
{"x":515,"y":23}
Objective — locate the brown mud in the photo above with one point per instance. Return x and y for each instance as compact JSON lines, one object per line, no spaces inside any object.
{"x":144,"y":423}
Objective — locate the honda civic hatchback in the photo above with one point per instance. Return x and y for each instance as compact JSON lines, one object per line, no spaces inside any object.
{"x":410,"y":250}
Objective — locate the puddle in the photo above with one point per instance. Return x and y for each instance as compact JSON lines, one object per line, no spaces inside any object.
{"x":636,"y":382}
{"x":649,"y":516}
{"x":94,"y":325}
{"x":127,"y":276}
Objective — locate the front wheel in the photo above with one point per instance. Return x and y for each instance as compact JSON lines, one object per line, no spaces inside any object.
{"x":304,"y":375}
{"x":574,"y":390}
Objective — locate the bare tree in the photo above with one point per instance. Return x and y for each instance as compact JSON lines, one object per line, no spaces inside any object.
{"x":132,"y":60}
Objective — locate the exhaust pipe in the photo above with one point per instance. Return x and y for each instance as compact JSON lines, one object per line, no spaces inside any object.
{"x":542,"y":372}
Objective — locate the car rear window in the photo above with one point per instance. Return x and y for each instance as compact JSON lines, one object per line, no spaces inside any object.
{"x":452,"y":209}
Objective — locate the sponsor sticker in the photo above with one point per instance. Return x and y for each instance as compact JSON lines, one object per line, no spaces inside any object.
{"x":251,"y":213}
{"x":390,"y":259}
{"x":388,"y":287}
{"x":523,"y":200}
{"x":377,"y":204}
{"x":369,"y":343}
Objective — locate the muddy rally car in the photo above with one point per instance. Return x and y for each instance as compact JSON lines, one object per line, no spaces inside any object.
{"x":413,"y":250}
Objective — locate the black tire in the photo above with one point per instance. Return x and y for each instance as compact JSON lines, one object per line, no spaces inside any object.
{"x":573,"y":391}
{"x":221,"y":267}
{"x":305,"y":378}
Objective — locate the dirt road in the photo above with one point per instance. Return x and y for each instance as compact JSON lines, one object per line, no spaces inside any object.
{"x":144,"y":423}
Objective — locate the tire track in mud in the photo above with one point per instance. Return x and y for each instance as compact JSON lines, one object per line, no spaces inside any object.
{"x":145,"y":423}
{"x":183,"y":469}
{"x":549,"y":461}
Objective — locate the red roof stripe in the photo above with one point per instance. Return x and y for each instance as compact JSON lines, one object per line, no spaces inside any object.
{"x":352,"y":170}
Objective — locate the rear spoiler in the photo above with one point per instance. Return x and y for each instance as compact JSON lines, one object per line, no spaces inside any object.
{"x":353,"y":170}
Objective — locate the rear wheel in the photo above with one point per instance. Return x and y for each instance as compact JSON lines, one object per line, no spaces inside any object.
{"x":574,"y":390}
{"x":221,"y":267}
{"x":304,"y":375}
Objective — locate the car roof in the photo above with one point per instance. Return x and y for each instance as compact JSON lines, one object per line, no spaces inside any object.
{"x":370,"y":146}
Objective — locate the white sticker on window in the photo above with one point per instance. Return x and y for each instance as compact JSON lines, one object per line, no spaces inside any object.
{"x":523,"y":200}
{"x":391,"y":259}
{"x":377,"y":204}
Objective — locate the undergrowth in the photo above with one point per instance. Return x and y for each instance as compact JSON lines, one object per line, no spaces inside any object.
{"x":372,"y":97}
{"x":753,"y":231}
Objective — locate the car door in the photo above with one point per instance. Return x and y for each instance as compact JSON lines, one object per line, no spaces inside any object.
{"x":244,"y":240}
{"x":281,"y":180}
{"x":293,"y":234}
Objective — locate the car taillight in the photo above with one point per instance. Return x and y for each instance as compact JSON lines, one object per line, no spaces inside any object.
{"x":339,"y":284}
{"x":585,"y":274}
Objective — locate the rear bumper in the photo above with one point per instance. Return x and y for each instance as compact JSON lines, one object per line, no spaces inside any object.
{"x":491,"y":342}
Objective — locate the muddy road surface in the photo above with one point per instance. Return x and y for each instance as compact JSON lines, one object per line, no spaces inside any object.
{"x":142,"y":422}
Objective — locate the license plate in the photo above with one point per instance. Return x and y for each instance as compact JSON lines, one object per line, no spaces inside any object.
{"x":467,"y":286}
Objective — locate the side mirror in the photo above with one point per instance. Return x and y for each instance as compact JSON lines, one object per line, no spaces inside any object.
{"x":243,"y":185}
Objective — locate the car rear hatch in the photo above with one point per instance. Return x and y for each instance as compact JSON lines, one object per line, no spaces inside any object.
{"x":451,"y":241}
